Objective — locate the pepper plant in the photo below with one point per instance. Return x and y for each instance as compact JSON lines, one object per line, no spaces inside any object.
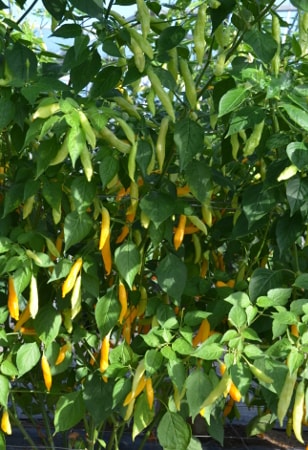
{"x":153,"y":230}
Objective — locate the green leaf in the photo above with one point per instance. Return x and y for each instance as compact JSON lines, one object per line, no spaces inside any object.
{"x":298,"y":154}
{"x":7,"y":112}
{"x":263,"y":44}
{"x":98,"y":397}
{"x":237,"y":317}
{"x":76,"y":143}
{"x":70,"y":409}
{"x":209,"y":352}
{"x":173,"y":432}
{"x":143,"y":415}
{"x":166,"y":317}
{"x":219,"y":13}
{"x":52,"y":192}
{"x":171,"y":276}
{"x":238,"y":298}
{"x":83,"y":193}
{"x":5,"y":244}
{"x":22,"y":277}
{"x":47,"y":324}
{"x":182,"y":347}
{"x":22,"y":63}
{"x":55,"y":7}
{"x":13,"y":198}
{"x":153,"y":360}
{"x":68,"y":30}
{"x":198,"y":387}
{"x":194,"y":444}
{"x":76,"y":228}
{"x":107,"y":312}
{"x":28,"y":355}
{"x":105,"y":81}
{"x":199,"y":179}
{"x":301,"y":282}
{"x":253,"y":352}
{"x":127,"y":259}
{"x":231,"y":100}
{"x":4,"y":390}
{"x":188,"y":138}
{"x":158,"y":206}
{"x":144,"y":155}
{"x":108,"y":168}
{"x":9,"y":369}
{"x":193,"y":318}
{"x":245,"y":118}
{"x":297,"y":193}
{"x":298,"y":115}
{"x":170,"y":37}
{"x":300,"y":4}
{"x":262,"y":280}
{"x":288,"y":229}
{"x":257,"y":202}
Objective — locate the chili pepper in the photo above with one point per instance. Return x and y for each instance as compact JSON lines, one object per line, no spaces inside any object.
{"x":105,"y":227}
{"x":275,"y":63}
{"x":124,"y":233}
{"x":298,"y":410}
{"x":150,"y":102}
{"x":132,"y":161}
{"x":123,"y":301}
{"x":206,"y":212}
{"x":24,"y":317}
{"x":204,"y":267}
{"x":127,"y":106}
{"x":5,"y":422}
{"x":303,"y":30}
{"x":129,"y":132}
{"x":220,"y":389}
{"x":144,"y":17}
{"x":179,"y":232}
{"x":28,"y":331}
{"x":254,"y":139}
{"x":233,"y":391}
{"x":286,"y":395}
{"x":127,"y":330}
{"x":259,"y":374}
{"x":28,"y":207}
{"x":203,"y":333}
{"x":12,"y":299}
{"x":87,"y":129}
{"x":62,"y":152}
{"x":228,"y":407}
{"x":107,"y":256}
{"x":198,"y":33}
{"x":139,"y":380}
{"x":198,"y":223}
{"x":76,"y":297}
{"x":141,"y":307}
{"x":46,"y":372}
{"x":72,"y":276}
{"x":197,"y":248}
{"x":161,"y":94}
{"x":149,"y":392}
{"x":190,"y":88}
{"x":59,"y":241}
{"x":85,"y":158}
{"x":33,"y":298}
{"x":62,"y":353}
{"x":104,"y":358}
{"x":294,"y":330}
{"x":235,"y":144}
{"x":220,"y":64}
{"x":172,"y":66}
{"x":161,"y":142}
{"x":115,"y":142}
{"x":45,"y":111}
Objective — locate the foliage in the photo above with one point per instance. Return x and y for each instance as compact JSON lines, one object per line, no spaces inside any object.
{"x":153,"y":217}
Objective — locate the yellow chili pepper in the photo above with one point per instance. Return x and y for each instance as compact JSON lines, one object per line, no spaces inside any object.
{"x":5,"y":422}
{"x":123,"y":301}
{"x":179,"y":232}
{"x":46,"y":372}
{"x":13,"y":300}
{"x":106,"y":255}
{"x":104,"y":359}
{"x":149,"y":392}
{"x":135,"y":392}
{"x":105,"y":228}
{"x":71,"y":278}
{"x":298,"y":411}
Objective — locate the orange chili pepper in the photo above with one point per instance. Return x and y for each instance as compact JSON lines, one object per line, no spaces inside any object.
{"x":132,"y":395}
{"x":203,"y":333}
{"x":233,"y":390}
{"x":62,"y":352}
{"x":228,"y":407}
{"x":104,"y":359}
{"x":12,"y":302}
{"x":70,"y":280}
{"x":294,"y":330}
{"x":46,"y":372}
{"x":179,"y":232}
{"x":24,"y":317}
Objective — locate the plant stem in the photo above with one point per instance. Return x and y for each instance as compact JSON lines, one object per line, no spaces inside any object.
{"x":47,"y":424}
{"x":18,"y":423}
